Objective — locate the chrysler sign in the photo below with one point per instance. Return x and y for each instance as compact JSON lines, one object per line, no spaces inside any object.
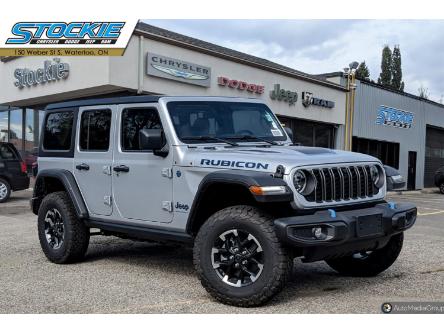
{"x":53,"y":70}
{"x":178,"y":70}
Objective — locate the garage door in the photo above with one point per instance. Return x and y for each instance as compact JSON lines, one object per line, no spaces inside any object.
{"x":434,"y":156}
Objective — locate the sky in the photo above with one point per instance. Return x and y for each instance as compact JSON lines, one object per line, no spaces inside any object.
{"x":320,"y":46}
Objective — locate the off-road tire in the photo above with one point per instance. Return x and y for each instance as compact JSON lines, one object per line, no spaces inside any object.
{"x":5,"y":183}
{"x":375,"y":263}
{"x":277,"y":263}
{"x":76,"y":234}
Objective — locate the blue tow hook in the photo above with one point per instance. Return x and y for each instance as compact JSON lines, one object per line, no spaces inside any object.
{"x":392,"y":205}
{"x":332,"y":213}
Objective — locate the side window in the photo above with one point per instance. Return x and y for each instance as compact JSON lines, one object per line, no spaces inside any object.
{"x":95,"y":127}
{"x":58,"y":130}
{"x":134,"y":120}
{"x":7,"y":153}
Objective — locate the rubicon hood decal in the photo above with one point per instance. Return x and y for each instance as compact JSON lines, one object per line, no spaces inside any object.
{"x":235,"y":164}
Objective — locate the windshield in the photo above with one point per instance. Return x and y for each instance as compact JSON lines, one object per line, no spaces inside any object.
{"x":200,"y":121}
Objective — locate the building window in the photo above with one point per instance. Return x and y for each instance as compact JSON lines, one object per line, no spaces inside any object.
{"x":58,"y":131}
{"x":387,"y":152}
{"x":16,"y":128}
{"x":310,"y":133}
{"x":4,"y":116}
{"x":94,"y":130}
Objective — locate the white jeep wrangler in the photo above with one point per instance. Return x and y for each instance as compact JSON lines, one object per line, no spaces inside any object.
{"x":220,"y":174}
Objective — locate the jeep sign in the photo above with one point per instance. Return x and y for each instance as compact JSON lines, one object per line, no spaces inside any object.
{"x":284,"y":95}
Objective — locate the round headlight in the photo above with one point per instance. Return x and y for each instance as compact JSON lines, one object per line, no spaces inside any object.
{"x":300,"y":181}
{"x":375,"y":174}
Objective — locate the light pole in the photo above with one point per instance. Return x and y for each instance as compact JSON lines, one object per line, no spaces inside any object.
{"x":350,"y":76}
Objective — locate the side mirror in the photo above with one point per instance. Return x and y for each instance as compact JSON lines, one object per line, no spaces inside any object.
{"x":153,"y":139}
{"x":394,"y":179}
{"x":289,"y":132}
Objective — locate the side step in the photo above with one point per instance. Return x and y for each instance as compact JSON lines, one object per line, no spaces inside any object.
{"x":139,"y":232}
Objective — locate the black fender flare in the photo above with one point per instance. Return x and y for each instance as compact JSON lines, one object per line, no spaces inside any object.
{"x":244,"y":178}
{"x":70,"y":185}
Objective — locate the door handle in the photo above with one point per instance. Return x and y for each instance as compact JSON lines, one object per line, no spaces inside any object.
{"x":82,"y":166}
{"x":121,"y":168}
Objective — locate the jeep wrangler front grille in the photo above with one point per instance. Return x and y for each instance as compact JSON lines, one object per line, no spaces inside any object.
{"x":341,"y":183}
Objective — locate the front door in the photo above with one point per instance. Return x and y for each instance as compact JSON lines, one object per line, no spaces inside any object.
{"x":411,"y":175}
{"x":142,"y":181}
{"x":93,"y":157}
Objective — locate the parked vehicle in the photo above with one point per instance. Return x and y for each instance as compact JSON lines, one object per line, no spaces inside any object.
{"x":13,"y":176}
{"x":220,"y":174}
{"x":395,"y":181}
{"x":439,"y":179}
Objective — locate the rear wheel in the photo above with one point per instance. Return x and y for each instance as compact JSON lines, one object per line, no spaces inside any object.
{"x":369,"y":263}
{"x":5,"y":190}
{"x":441,"y":188}
{"x":238,"y":257}
{"x":63,"y":237}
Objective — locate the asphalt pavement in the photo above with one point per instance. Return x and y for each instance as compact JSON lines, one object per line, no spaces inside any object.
{"x":122,"y":276}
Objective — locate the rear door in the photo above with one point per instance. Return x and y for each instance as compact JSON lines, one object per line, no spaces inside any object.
{"x":93,"y":157}
{"x":9,"y":160}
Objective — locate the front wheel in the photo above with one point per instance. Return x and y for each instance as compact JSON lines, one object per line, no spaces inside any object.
{"x":238,"y":257}
{"x":369,"y":263}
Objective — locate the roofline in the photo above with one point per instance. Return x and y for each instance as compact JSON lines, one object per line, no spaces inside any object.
{"x":134,"y":99}
{"x":406,"y":94}
{"x":175,"y":42}
{"x":204,"y":50}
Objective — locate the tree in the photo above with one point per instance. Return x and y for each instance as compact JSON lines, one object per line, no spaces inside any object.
{"x":423,"y":92}
{"x":362,"y":72}
{"x":385,"y":78}
{"x":397,"y":82}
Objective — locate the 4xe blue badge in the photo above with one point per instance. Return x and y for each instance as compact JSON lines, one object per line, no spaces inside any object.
{"x":54,"y":33}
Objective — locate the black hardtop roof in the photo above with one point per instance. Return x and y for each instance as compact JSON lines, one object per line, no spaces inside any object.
{"x":105,"y":101}
{"x":123,"y":100}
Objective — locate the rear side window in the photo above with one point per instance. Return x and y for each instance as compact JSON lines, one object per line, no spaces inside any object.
{"x":95,"y":129}
{"x":134,"y":120}
{"x":7,"y":153}
{"x":58,"y":131}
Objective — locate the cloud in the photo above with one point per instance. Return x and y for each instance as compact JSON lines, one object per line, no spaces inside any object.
{"x":317,"y":46}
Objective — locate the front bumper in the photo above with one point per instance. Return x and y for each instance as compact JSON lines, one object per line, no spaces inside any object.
{"x":345,"y":232}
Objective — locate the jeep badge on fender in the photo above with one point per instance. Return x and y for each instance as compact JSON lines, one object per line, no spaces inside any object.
{"x":191,"y":170}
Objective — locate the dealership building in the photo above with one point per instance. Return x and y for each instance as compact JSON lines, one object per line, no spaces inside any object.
{"x":159,"y":61}
{"x":401,"y":129}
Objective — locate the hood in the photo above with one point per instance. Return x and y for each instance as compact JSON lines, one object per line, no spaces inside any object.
{"x":267,"y":158}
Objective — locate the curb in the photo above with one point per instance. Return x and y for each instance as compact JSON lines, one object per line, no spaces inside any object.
{"x":430,"y":190}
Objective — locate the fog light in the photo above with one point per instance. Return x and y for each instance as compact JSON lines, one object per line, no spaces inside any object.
{"x":318,"y":233}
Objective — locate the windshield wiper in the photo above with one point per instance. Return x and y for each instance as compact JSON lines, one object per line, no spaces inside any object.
{"x":253,"y":137}
{"x":206,"y":138}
